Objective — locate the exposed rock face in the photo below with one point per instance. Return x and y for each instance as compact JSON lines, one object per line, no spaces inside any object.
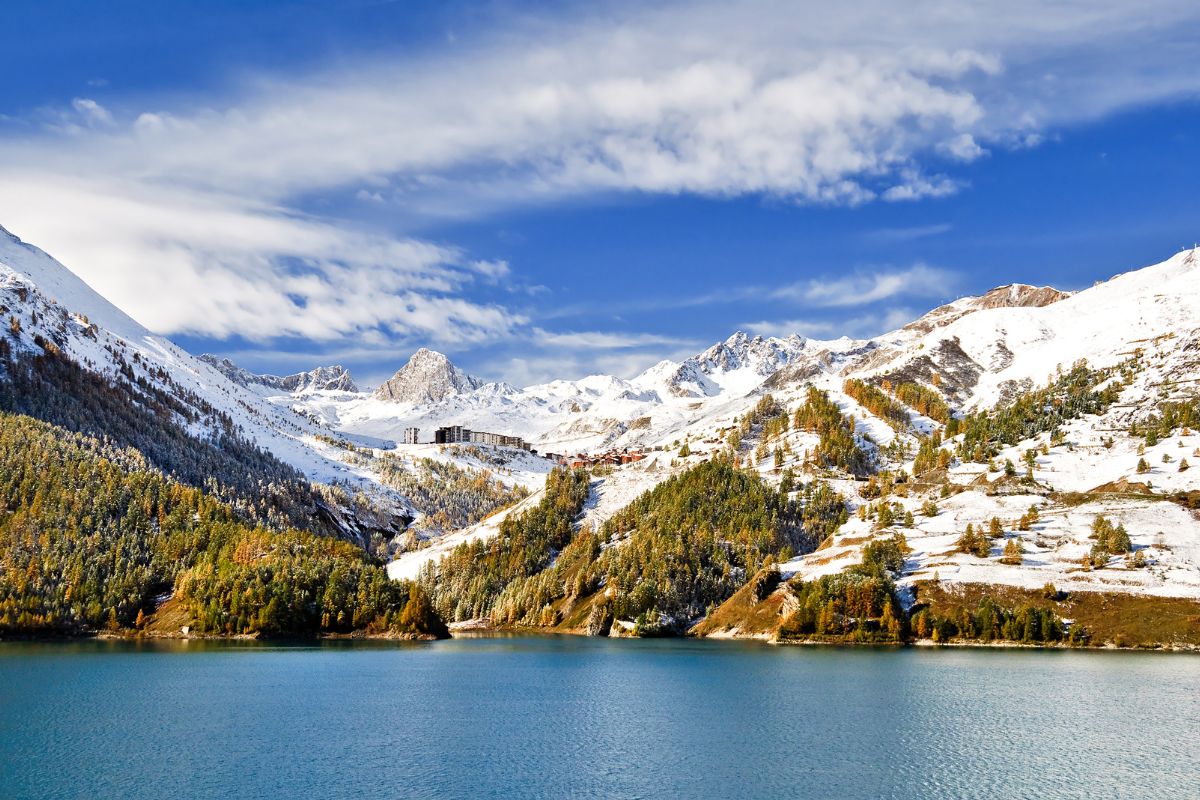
{"x":764,"y":356}
{"x":600,"y":619}
{"x":1014,"y":295}
{"x":427,"y":378}
{"x":334,"y":378}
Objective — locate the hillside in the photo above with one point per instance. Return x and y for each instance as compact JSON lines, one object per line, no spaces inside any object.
{"x":1040,"y":410}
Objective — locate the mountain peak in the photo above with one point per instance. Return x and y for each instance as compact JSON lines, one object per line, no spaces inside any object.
{"x":428,"y":376}
{"x":1012,"y":295}
{"x":25,"y":263}
{"x":332,"y":378}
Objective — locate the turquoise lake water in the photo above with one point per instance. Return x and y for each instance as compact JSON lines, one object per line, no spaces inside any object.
{"x":571,"y":717}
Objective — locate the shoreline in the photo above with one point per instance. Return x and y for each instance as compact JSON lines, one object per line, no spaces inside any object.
{"x":469,"y":629}
{"x":484,"y":633}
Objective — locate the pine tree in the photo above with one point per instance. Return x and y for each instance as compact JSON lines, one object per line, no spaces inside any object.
{"x":889,"y":623}
{"x":1013,"y":552}
{"x":974,"y":542}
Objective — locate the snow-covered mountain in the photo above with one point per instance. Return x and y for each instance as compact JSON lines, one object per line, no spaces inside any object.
{"x":334,"y":378}
{"x":979,"y":350}
{"x":688,"y":398}
{"x":50,"y":313}
{"x":975,"y":352}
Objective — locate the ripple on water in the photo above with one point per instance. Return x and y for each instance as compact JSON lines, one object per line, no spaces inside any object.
{"x":568,"y":717}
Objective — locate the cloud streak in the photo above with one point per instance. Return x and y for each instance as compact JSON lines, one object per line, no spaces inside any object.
{"x":856,"y":327}
{"x":865,"y":288}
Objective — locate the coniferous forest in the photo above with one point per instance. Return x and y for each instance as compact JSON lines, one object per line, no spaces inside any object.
{"x":93,"y":537}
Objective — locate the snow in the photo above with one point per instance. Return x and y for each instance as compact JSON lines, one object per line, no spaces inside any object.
{"x":1012,"y":337}
{"x":53,"y":293}
{"x":408,"y":565}
{"x":613,"y":492}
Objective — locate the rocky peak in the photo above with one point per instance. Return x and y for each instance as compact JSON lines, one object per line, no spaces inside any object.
{"x":334,"y":378}
{"x":741,"y":351}
{"x":1013,"y":295}
{"x":426,"y":378}
{"x":701,"y":375}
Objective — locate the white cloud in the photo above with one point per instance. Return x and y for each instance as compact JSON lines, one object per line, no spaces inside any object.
{"x":857,"y":327}
{"x":599,"y":340}
{"x":529,"y":369}
{"x":187,"y":215}
{"x":864,"y":288}
{"x":910,"y":233}
{"x":92,"y":113}
{"x":186,"y":262}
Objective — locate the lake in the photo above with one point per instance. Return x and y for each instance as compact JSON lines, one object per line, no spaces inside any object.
{"x":575,"y":717}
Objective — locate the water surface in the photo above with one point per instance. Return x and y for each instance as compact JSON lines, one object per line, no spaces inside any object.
{"x":573,"y":717}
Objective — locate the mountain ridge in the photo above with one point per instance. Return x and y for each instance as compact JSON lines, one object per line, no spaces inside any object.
{"x":333,"y":378}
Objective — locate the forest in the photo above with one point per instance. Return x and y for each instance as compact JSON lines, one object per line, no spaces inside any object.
{"x":467,"y":582}
{"x":836,"y":447}
{"x":93,"y":537}
{"x":1071,"y":394}
{"x":131,"y":412}
{"x":674,"y":553}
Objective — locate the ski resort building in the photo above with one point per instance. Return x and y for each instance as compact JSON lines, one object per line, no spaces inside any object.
{"x":411,"y":435}
{"x":455,"y":434}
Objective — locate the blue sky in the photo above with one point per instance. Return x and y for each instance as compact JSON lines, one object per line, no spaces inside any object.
{"x":547,"y":190}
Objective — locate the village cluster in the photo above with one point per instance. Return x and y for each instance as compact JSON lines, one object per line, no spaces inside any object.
{"x":613,"y":458}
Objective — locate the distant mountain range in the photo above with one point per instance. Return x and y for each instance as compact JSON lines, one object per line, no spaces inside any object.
{"x":968,"y":366}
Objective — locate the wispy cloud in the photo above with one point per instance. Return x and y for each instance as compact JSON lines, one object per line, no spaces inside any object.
{"x":185,"y":264}
{"x":188,"y":214}
{"x":532,"y":368}
{"x":865,"y":288}
{"x":909,"y":234}
{"x":600,"y":340}
{"x":856,"y":327}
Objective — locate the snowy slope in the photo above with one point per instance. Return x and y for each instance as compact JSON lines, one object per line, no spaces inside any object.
{"x":980,"y":351}
{"x":1154,"y":312}
{"x":984,"y":350}
{"x":44,"y":299}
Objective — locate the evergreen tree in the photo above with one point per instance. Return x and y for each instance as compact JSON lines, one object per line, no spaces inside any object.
{"x":1013,"y":552}
{"x":974,"y":542}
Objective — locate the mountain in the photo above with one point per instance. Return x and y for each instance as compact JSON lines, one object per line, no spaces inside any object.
{"x":73,"y":359}
{"x":1038,"y":415}
{"x":791,"y":487}
{"x":1014,"y":295}
{"x":427,"y":378}
{"x":739,"y":361}
{"x":335,"y":378}
{"x":978,"y":350}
